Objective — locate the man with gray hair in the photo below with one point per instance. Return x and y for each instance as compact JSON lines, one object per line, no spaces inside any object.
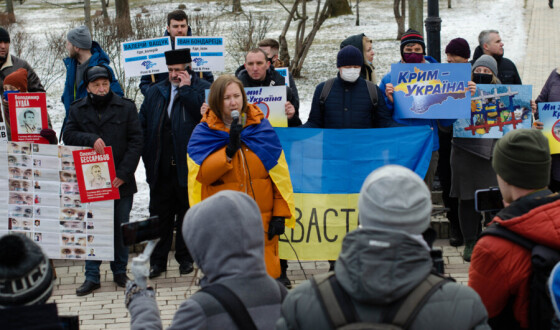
{"x":491,"y":44}
{"x":382,"y":267}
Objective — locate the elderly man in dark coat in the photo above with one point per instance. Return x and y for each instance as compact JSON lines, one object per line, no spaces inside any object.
{"x":101,"y":119}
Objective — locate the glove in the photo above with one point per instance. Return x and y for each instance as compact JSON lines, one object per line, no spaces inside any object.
{"x":50,"y":135}
{"x":132,"y":290}
{"x":234,"y":139}
{"x":276,"y":226}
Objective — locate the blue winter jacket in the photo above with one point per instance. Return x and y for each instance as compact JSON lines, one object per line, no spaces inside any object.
{"x":72,"y":93}
{"x":348,"y":105}
{"x":185,"y":116}
{"x":146,"y":81}
{"x":433,"y":123}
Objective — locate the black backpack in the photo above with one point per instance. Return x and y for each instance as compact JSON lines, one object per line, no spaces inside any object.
{"x":543,"y":260}
{"x":338,"y":305}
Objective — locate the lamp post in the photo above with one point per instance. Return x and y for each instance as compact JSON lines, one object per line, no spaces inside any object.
{"x":433,"y":28}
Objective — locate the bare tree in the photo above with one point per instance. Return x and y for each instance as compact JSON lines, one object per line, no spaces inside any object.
{"x":303,"y":42}
{"x":236,"y":6}
{"x":87,"y":13}
{"x":104,"y":5}
{"x":357,"y":12}
{"x":400,"y":16}
{"x":339,"y":8}
{"x":10,"y":11}
{"x":122,"y":10}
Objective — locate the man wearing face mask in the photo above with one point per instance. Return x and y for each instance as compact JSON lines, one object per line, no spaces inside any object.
{"x":101,"y":119}
{"x":413,"y":50}
{"x":168,"y":116}
{"x":348,"y":104}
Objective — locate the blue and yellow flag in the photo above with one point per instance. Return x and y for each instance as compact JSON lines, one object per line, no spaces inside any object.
{"x":328,"y":167}
{"x":261,"y":139}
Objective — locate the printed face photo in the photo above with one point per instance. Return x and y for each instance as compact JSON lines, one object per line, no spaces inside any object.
{"x":29,"y":120}
{"x":37,"y":223}
{"x":73,"y":252}
{"x":37,"y":237}
{"x":96,"y":176}
{"x":90,"y":238}
{"x":73,"y":226}
{"x":20,"y":198}
{"x":19,"y":148}
{"x":13,"y":224}
{"x":67,"y":163}
{"x":69,"y":188}
{"x":19,"y":173}
{"x":19,"y":185}
{"x":70,"y":201}
{"x":68,"y":176}
{"x":64,"y":151}
{"x":20,"y":211}
{"x":72,"y":214}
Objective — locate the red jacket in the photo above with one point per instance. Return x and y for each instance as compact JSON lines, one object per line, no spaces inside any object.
{"x":500,"y":269}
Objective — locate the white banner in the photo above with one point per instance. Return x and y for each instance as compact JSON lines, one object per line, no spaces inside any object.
{"x":208,"y":53}
{"x":145,"y":57}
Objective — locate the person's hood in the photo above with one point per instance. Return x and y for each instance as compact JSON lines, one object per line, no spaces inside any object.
{"x":355,"y":40}
{"x":98,"y":55}
{"x":225,"y":236}
{"x":379,"y":267}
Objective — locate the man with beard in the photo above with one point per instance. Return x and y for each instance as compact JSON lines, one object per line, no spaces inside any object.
{"x":491,"y":44}
{"x":10,"y":63}
{"x":177,"y":26}
{"x":82,"y":54}
{"x":170,"y":111}
{"x":105,"y":119}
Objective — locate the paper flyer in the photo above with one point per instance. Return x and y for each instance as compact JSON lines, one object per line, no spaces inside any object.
{"x":41,"y":199}
{"x":431,"y":91}
{"x":143,"y":57}
{"x":496,"y":110}
{"x":28,"y":116}
{"x":95,"y":173}
{"x":207,"y":53}
{"x":549,"y":115}
{"x":284,"y":73}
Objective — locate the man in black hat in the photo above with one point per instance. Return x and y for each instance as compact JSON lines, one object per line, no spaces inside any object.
{"x":10,"y":63}
{"x":168,"y":116}
{"x":101,"y":119}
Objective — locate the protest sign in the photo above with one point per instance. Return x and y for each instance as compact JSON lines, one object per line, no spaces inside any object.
{"x":39,"y":197}
{"x":327,"y":169}
{"x":143,"y":57}
{"x":496,"y":110}
{"x":431,"y":91}
{"x":549,"y":115}
{"x":95,"y":174}
{"x":207,"y":53}
{"x":28,"y":116}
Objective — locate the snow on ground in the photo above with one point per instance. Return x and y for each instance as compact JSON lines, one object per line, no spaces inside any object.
{"x":466,"y":19}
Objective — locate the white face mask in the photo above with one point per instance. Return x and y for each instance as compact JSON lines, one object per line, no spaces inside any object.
{"x":350,"y":74}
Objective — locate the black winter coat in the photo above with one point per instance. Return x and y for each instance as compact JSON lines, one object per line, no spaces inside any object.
{"x":507,"y":71}
{"x":118,"y":125}
{"x":184,"y":117}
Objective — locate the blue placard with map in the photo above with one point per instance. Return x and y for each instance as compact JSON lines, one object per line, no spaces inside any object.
{"x":431,"y":90}
{"x":496,"y":110}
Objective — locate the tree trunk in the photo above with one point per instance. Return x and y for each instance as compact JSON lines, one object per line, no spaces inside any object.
{"x":123,"y":16}
{"x":448,"y":3}
{"x":416,"y":15}
{"x":400,"y":16}
{"x":10,"y":11}
{"x":357,"y":12}
{"x":339,"y":7}
{"x":104,"y":5}
{"x":236,"y":6}
{"x":87,"y":14}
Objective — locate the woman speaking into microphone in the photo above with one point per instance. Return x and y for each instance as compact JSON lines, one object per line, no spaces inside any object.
{"x":235,"y":148}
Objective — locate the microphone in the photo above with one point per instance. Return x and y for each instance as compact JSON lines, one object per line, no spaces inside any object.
{"x":235,"y":116}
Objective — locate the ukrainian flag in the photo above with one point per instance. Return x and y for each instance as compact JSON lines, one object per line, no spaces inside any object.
{"x":261,"y":139}
{"x":328,"y":167}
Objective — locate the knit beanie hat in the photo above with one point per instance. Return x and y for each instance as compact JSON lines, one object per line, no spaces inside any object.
{"x":459,"y":47}
{"x":80,"y":37}
{"x":349,"y":55}
{"x":522,"y":158}
{"x":26,"y":275}
{"x":4,"y":35}
{"x":412,"y":37}
{"x":487,"y":61}
{"x":395,"y":198}
{"x":18,"y":79}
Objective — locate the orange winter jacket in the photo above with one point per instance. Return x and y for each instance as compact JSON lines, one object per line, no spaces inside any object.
{"x":246,"y":173}
{"x":500,"y":269}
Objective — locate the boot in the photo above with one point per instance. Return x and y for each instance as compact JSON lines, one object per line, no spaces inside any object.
{"x":550,"y":4}
{"x":284,"y":276}
{"x":467,"y":252}
{"x":456,"y":236}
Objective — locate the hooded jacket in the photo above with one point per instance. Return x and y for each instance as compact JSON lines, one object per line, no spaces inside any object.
{"x":507,"y":71}
{"x":228,"y":252}
{"x":71,"y":92}
{"x":245,"y":173}
{"x":500,"y":269}
{"x":368,"y":70}
{"x":433,"y":123}
{"x":376,"y":275}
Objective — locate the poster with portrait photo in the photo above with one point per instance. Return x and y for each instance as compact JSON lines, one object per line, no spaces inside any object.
{"x":95,"y":173}
{"x":28,"y":116}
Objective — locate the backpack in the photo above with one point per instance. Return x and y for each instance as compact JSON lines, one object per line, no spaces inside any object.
{"x":371,"y":87}
{"x":338,"y":305}
{"x":543,"y":260}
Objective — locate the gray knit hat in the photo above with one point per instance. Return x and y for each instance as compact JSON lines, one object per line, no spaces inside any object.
{"x":522,"y":158}
{"x":395,"y":198}
{"x":80,"y":37}
{"x":486,"y":61}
